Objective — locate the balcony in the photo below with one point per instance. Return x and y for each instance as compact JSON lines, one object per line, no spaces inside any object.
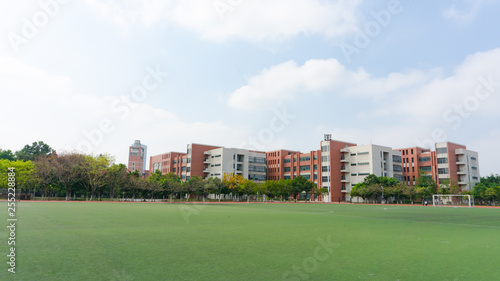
{"x":345,"y":149}
{"x":206,"y":153}
{"x":206,"y":161}
{"x":344,"y":159}
{"x":460,"y":151}
{"x":343,"y":169}
{"x":461,"y":172}
{"x":345,"y":179}
{"x":206,"y":171}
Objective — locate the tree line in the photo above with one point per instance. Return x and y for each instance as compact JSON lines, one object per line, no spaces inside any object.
{"x":41,"y":171}
{"x":374,"y":189}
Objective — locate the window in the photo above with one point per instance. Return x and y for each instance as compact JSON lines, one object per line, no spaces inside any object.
{"x":397,"y":168}
{"x":324,"y":179}
{"x":325,"y":168}
{"x":315,"y":167}
{"x":474,"y":168}
{"x":363,"y":153}
{"x":396,"y":158}
{"x":473,"y":158}
{"x":189,"y":151}
{"x":217,"y":165}
{"x":353,"y":164}
{"x":218,"y":155}
{"x":424,"y":159}
{"x":443,"y":171}
{"x":294,"y":159}
{"x":175,"y":170}
{"x":364,"y":174}
{"x":287,"y":177}
{"x":134,"y":152}
{"x":294,"y":169}
{"x":324,"y":158}
{"x":315,"y":176}
{"x":325,"y":148}
{"x":189,"y":160}
{"x":183,"y":169}
{"x":188,"y":169}
{"x":307,"y":176}
{"x":287,"y":169}
{"x":315,"y":157}
{"x":413,"y":169}
{"x":184,"y":160}
{"x":354,"y":175}
{"x":425,"y":168}
{"x":364,"y":163}
{"x":287,"y":161}
{"x":441,"y":150}
{"x":305,"y":158}
{"x":442,"y":160}
{"x":175,"y":161}
{"x":305,"y":168}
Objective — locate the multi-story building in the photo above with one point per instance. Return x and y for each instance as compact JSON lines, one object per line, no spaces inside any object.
{"x":249,"y":164}
{"x":137,"y":157}
{"x":362,"y":160}
{"x":450,"y":162}
{"x":336,"y":166}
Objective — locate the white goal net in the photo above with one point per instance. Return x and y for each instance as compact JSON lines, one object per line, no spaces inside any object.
{"x":452,"y":200}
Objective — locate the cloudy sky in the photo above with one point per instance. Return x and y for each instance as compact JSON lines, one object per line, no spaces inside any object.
{"x":95,"y":75}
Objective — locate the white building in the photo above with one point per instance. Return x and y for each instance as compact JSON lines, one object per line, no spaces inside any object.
{"x":362,"y":160}
{"x":249,"y":164}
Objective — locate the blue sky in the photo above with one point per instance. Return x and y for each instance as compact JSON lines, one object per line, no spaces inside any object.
{"x":95,"y":75}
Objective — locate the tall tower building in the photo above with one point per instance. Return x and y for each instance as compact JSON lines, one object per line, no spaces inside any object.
{"x":137,"y":157}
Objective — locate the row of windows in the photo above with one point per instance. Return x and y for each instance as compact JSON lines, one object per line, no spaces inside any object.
{"x":441,"y":150}
{"x":442,"y":160}
{"x":442,"y":171}
{"x":259,"y":160}
{"x":424,"y":159}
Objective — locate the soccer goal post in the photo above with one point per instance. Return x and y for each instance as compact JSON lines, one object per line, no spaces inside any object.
{"x":450,"y":200}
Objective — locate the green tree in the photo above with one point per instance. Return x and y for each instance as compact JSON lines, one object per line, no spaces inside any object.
{"x":116,"y":177}
{"x":7,"y":155}
{"x":173,"y":184}
{"x":36,"y":149}
{"x":67,"y":170}
{"x":215,"y":185}
{"x":23,"y":174}
{"x":299,"y":185}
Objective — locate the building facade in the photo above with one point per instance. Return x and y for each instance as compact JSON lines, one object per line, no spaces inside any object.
{"x":336,"y":166}
{"x":249,"y":164}
{"x":449,"y":163}
{"x":137,"y":155}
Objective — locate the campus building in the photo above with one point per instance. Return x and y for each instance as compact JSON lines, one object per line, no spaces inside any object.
{"x":211,"y":161}
{"x":450,"y":162}
{"x":336,"y":166}
{"x":137,"y":154}
{"x":249,"y":164}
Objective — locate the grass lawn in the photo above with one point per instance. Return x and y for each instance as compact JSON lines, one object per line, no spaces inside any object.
{"x":130,"y":241}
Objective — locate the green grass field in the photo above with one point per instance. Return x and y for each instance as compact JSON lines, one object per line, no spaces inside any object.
{"x":126,"y":241}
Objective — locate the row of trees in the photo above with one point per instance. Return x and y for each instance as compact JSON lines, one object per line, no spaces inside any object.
{"x":375,"y":188}
{"x":73,"y":175}
{"x":39,"y":170}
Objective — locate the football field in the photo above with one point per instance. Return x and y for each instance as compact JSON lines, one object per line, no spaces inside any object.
{"x":156,"y":241}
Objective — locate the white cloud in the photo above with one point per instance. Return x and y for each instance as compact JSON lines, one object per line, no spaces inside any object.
{"x":463,"y":15}
{"x":287,"y":81}
{"x":222,"y":20}
{"x":42,"y":106}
